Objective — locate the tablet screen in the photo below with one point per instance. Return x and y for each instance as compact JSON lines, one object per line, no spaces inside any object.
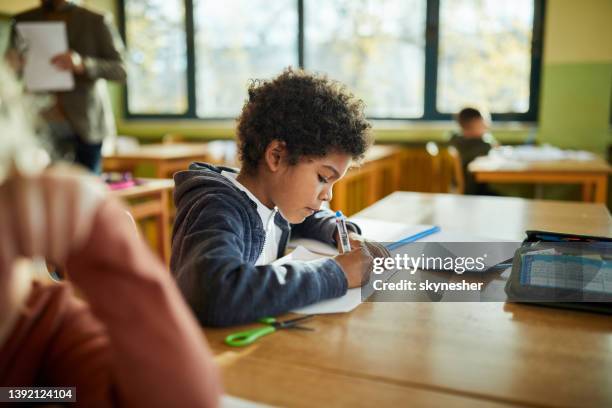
{"x":583,"y":273}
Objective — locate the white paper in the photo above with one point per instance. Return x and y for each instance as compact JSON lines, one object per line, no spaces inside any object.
{"x":342,"y":304}
{"x":375,"y":230}
{"x":44,"y":40}
{"x":298,"y":254}
{"x":537,"y":153}
{"x":318,"y":247}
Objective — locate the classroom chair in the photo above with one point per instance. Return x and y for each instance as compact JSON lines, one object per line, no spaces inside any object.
{"x":446,"y":171}
{"x":458,"y":178}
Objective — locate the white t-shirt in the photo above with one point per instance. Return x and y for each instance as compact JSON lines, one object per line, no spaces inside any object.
{"x":273,"y":232}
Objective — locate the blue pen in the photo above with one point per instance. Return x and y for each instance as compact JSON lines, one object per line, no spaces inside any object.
{"x":412,"y":238}
{"x":345,"y":244}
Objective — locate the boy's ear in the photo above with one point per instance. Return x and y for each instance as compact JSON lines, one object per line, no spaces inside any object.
{"x":275,"y":154}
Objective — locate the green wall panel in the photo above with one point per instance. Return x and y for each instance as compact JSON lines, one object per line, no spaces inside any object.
{"x":575,"y":106}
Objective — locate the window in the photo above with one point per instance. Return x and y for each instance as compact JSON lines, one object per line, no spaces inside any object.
{"x":236,"y":40}
{"x":484,"y":60}
{"x":156,"y":56}
{"x":375,"y":47}
{"x":407,"y":59}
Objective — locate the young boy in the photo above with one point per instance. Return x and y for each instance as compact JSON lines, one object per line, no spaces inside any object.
{"x":297,"y":135}
{"x":470,"y":145}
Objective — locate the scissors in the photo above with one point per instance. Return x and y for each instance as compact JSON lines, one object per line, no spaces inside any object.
{"x":247,"y":337}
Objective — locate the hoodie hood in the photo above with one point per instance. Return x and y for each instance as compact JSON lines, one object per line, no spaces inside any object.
{"x":205,"y":178}
{"x":189,"y":184}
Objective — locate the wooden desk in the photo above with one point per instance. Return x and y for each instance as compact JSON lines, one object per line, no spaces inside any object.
{"x":165,"y":158}
{"x":152,"y":200}
{"x":592,"y":175}
{"x":439,"y":354}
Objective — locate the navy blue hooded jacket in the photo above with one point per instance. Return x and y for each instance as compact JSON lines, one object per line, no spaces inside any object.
{"x":218,"y":236}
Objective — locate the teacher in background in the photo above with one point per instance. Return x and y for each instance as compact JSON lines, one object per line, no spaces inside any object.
{"x":80,"y":119}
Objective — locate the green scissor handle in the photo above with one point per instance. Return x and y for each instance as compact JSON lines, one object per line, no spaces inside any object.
{"x":247,"y":337}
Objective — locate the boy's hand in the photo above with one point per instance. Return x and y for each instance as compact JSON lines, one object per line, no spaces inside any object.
{"x":376,"y":249}
{"x":356,"y":265}
{"x":356,"y":241}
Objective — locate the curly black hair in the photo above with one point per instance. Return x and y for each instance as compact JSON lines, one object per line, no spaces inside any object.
{"x":311,"y":114}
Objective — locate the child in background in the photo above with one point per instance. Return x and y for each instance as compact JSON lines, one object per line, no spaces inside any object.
{"x":470,"y":144}
{"x":297,"y":135}
{"x":134,"y":341}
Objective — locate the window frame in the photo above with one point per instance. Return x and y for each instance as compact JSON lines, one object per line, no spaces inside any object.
{"x":430,"y":112}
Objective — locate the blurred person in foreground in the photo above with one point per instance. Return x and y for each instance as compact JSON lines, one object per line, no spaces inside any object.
{"x":133,"y":342}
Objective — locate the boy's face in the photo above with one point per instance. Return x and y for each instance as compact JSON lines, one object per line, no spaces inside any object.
{"x":299,"y":190}
{"x":475,"y":128}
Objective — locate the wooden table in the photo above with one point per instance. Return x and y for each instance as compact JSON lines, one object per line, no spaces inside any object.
{"x":151,"y":199}
{"x":440,"y":354}
{"x":165,"y":158}
{"x":592,"y":175}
